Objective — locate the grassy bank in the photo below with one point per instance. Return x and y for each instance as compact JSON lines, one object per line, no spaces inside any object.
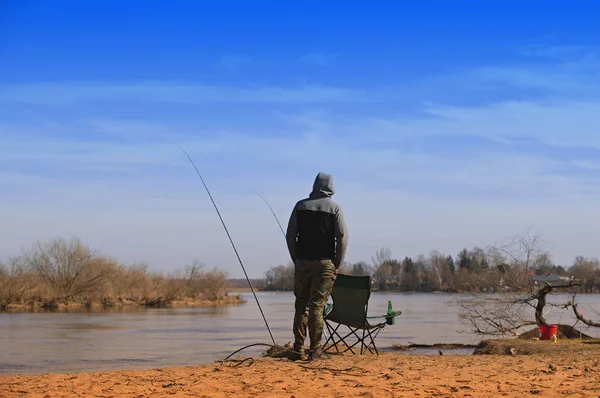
{"x":120,"y":305}
{"x":61,"y":274}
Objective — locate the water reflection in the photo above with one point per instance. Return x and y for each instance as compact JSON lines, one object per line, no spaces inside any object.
{"x":142,"y":338}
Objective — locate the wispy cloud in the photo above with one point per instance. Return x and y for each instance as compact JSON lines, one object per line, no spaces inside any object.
{"x":381,"y":157}
{"x":571,"y":73}
{"x":555,"y":51}
{"x":560,"y":123}
{"x":176,"y":92}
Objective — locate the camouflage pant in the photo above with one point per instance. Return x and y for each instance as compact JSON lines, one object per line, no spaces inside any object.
{"x":313,"y":281}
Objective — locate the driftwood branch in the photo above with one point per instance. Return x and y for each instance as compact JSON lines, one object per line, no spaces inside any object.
{"x":507,"y":314}
{"x":540,"y":297}
{"x":579,"y":315}
{"x":495,"y":316}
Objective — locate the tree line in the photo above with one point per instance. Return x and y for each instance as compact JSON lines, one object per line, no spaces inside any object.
{"x":60,"y":273}
{"x":491,"y":269}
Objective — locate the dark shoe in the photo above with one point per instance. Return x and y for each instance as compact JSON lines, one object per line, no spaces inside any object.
{"x":297,"y":354}
{"x":317,"y":354}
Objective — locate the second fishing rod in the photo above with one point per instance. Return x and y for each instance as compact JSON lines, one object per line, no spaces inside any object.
{"x":231,"y":241}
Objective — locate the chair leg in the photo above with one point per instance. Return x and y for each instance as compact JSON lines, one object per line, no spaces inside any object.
{"x":332,"y":334}
{"x":359,"y":340}
{"x":362,"y":342}
{"x":329,"y":338}
{"x":365,"y":345}
{"x":372,"y":339}
{"x":342,"y":339}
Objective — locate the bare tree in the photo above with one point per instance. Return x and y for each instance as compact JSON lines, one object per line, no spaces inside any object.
{"x":67,"y":268}
{"x":518,"y":256}
{"x":382,"y":266}
{"x":586,"y":270}
{"x":280,"y":277}
{"x":160,"y":290}
{"x":194,"y":270}
{"x":440,"y":268}
{"x":15,"y":283}
{"x":382,"y":255}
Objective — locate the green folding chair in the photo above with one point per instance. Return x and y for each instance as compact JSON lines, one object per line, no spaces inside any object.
{"x":350,"y":296}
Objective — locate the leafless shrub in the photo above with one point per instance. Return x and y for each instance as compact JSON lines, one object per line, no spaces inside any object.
{"x":62,"y":272}
{"x":214,"y":284}
{"x":67,"y":268}
{"x":154,"y":289}
{"x":15,"y":284}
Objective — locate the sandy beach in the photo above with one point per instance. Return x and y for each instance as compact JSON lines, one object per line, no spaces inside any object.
{"x":571,"y":369}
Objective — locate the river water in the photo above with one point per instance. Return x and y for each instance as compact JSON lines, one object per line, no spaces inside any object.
{"x":147,"y":338}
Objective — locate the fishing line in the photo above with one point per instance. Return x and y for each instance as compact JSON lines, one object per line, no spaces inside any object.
{"x":230,"y":240}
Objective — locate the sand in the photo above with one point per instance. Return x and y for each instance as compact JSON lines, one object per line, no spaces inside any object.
{"x":566,"y":372}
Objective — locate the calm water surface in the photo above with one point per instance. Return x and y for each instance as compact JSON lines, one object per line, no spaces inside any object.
{"x":146,"y":338}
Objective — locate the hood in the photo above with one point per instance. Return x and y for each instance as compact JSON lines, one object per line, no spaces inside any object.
{"x":323,"y":186}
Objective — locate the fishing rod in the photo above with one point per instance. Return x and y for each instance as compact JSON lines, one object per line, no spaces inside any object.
{"x":273,"y":212}
{"x":231,"y":240}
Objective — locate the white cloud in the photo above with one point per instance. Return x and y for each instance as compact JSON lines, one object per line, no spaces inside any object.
{"x":562,"y":123}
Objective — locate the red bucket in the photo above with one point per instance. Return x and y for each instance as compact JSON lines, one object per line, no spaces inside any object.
{"x":547,"y":332}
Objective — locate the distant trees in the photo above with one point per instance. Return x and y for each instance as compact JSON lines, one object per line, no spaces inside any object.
{"x":587,"y":270}
{"x":358,"y":269}
{"x":506,"y":266}
{"x":280,"y":278}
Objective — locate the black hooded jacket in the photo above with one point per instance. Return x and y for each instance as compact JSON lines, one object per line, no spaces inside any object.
{"x":317,"y":229}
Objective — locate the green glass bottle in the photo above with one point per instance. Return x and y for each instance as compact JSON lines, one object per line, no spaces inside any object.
{"x":390,"y":319}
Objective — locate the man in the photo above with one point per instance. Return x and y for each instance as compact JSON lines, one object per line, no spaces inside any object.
{"x":317,"y":240}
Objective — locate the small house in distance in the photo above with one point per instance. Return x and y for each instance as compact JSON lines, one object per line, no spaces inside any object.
{"x":539,"y":279}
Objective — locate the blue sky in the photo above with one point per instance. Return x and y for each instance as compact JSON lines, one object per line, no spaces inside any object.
{"x":444,"y":124}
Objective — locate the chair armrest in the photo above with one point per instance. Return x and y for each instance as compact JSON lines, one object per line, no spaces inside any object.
{"x":390,"y":315}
